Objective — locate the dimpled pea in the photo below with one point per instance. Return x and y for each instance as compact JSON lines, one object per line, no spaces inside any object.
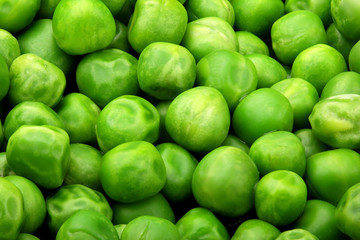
{"x":329,"y":174}
{"x":319,"y":219}
{"x":208,"y":34}
{"x":278,"y":150}
{"x":254,"y":229}
{"x":9,"y":46}
{"x":150,"y":228}
{"x":35,"y":79}
{"x":200,"y":222}
{"x":84,"y":164}
{"x":346,"y":215}
{"x":229,"y":72}
{"x":224,"y":181}
{"x":107,"y":74}
{"x":335,"y":122}
{"x":87,"y":224}
{"x":268,"y":70}
{"x":34,"y":203}
{"x":11,"y":210}
{"x":39,"y":39}
{"x":216,"y":8}
{"x":79,"y":114}
{"x":198,"y":119}
{"x":83,"y":26}
{"x":127,"y":118}
{"x":132,"y":171}
{"x":165,"y":70}
{"x":345,"y":14}
{"x":342,"y":83}
{"x":318,"y":64}
{"x":17,"y":14}
{"x":180,"y":165}
{"x":294,"y":32}
{"x":72,"y":198}
{"x":30,"y":113}
{"x":4,"y":77}
{"x":280,"y":197}
{"x":39,"y":153}
{"x":156,"y":21}
{"x":249,"y":43}
{"x":296,"y":234}
{"x":156,"y":205}
{"x":338,"y":41}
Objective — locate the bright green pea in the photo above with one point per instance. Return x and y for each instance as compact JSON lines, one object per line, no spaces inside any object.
{"x":278,"y":150}
{"x":156,"y":205}
{"x":2,"y":137}
{"x":38,"y":39}
{"x":150,"y":228}
{"x":120,"y":40}
{"x":126,"y":12}
{"x":5,"y":169}
{"x":338,"y":41}
{"x":319,"y":219}
{"x":78,"y":40}
{"x":180,"y":165}
{"x":229,"y":72}
{"x":87,"y":224}
{"x":342,"y":83}
{"x":280,"y":197}
{"x":334,"y":121}
{"x":257,"y":16}
{"x":127,"y":118}
{"x":208,"y":34}
{"x":345,"y":16}
{"x":302,"y":96}
{"x":310,"y":142}
{"x":17,"y":14}
{"x":26,"y":236}
{"x":294,"y":32}
{"x":254,"y":229}
{"x":4,"y":78}
{"x":224,"y":181}
{"x":330,"y":173}
{"x":84,"y":166}
{"x":30,"y":113}
{"x":107,"y":74}
{"x":156,"y":21}
{"x":34,"y":79}
{"x":132,"y":171}
{"x":70,"y":199}
{"x":198,"y":119}
{"x":9,"y":47}
{"x":346,"y":215}
{"x":200,"y":223}
{"x":114,"y":5}
{"x":318,"y":64}
{"x":39,"y":153}
{"x":165,"y":70}
{"x":268,"y":70}
{"x":119,"y":229}
{"x":34,"y":203}
{"x":210,"y":8}
{"x":354,"y":57}
{"x":256,"y":115}
{"x":249,"y":43}
{"x":79,"y":114}
{"x":232,"y":140}
{"x":296,"y":234}
{"x":47,"y":8}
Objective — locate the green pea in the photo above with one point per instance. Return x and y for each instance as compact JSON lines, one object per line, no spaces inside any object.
{"x":5,"y":169}
{"x":165,"y":70}
{"x":249,"y":43}
{"x":162,"y":108}
{"x":354,"y":57}
{"x":338,"y":41}
{"x":156,"y":205}
{"x":78,"y":40}
{"x":79,"y":114}
{"x":9,"y":47}
{"x":120,"y":40}
{"x":156,"y":21}
{"x":30,"y":113}
{"x":39,"y":153}
{"x":342,"y":83}
{"x":4,"y":78}
{"x":84,"y":166}
{"x":114,"y":5}
{"x":70,"y":199}
{"x":296,"y":234}
{"x":232,"y":140}
{"x":34,"y":79}
{"x":127,"y":118}
{"x":34,"y":203}
{"x":229,"y":72}
{"x":180,"y":165}
{"x":132,"y":171}
{"x":254,"y":229}
{"x":87,"y":224}
{"x":345,"y":16}
{"x":200,"y":223}
{"x":120,"y":228}
{"x":310,"y":142}
{"x":47,"y":8}
{"x":26,"y":236}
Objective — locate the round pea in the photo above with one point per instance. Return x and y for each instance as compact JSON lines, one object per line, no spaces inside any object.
{"x":249,"y":43}
{"x":4,"y":78}
{"x":342,"y":83}
{"x":345,"y":16}
{"x":9,"y":46}
{"x":254,"y":229}
{"x":310,"y":142}
{"x":296,"y":234}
